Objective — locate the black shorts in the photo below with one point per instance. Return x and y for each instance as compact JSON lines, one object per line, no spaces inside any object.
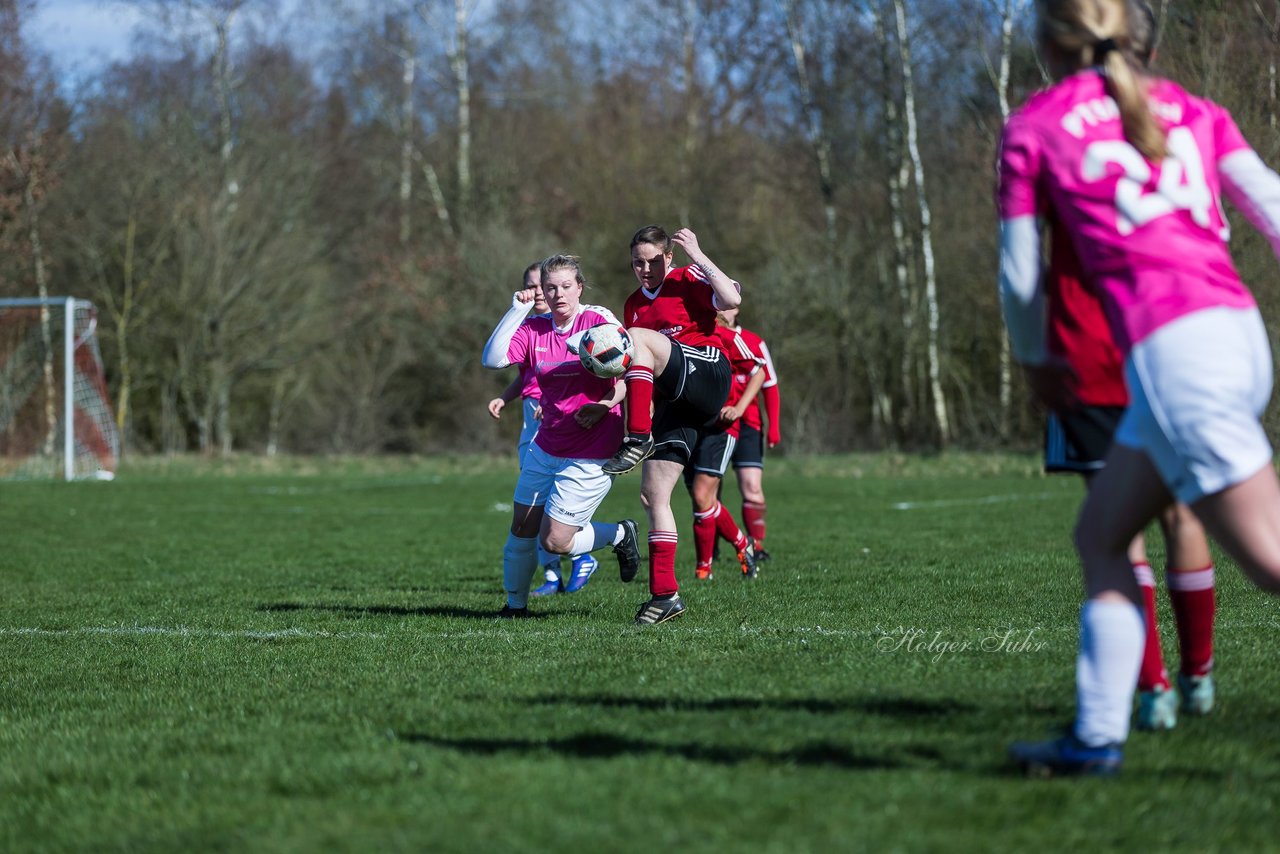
{"x":688,"y":397}
{"x":1077,"y":442}
{"x":711,"y":455}
{"x":749,"y":453}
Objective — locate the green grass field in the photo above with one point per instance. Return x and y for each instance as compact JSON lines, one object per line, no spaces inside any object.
{"x":300,"y":656}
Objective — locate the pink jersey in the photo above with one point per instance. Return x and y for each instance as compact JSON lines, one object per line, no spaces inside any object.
{"x":682,"y":308}
{"x":529,"y":382}
{"x":1151,"y":237}
{"x":566,"y":386}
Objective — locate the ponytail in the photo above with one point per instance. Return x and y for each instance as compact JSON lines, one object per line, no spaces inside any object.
{"x":1097,"y":32}
{"x":1141,"y":128}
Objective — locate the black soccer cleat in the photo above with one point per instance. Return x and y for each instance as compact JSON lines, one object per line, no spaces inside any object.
{"x":628,"y":551}
{"x":509,"y":613}
{"x":658,"y":610}
{"x":762,"y":556}
{"x":634,"y":451}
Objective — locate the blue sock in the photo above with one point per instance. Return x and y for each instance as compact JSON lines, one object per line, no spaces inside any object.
{"x":519,"y":560}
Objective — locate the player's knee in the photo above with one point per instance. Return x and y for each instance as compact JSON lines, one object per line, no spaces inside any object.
{"x":555,"y":543}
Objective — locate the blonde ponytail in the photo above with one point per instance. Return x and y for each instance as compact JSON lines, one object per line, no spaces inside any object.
{"x":1096,"y":32}
{"x":1140,"y":126}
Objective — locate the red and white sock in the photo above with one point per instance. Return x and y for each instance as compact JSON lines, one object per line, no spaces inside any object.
{"x":639,"y":381}
{"x":1152,"y":674}
{"x":727,"y":528}
{"x":753,"y":521}
{"x":704,"y":535}
{"x":662,"y":563}
{"x":1193,"y":597}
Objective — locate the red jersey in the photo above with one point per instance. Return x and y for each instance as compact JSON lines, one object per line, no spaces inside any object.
{"x":756,"y":346}
{"x":744,"y":363}
{"x":682,"y":308}
{"x":1078,"y":328}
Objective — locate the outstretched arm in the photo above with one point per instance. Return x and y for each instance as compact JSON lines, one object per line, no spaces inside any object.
{"x":772,"y":409}
{"x":1254,"y":188}
{"x":1021,"y":294}
{"x":510,"y":393}
{"x":499,"y":343}
{"x":727,"y":292}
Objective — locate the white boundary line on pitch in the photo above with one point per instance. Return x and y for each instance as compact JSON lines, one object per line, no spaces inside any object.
{"x":963,"y":502}
{"x":184,"y":631}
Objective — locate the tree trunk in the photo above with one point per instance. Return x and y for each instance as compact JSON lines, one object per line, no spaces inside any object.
{"x":1002,"y":92}
{"x":459,"y":63}
{"x":926,"y":239}
{"x":815,"y":127}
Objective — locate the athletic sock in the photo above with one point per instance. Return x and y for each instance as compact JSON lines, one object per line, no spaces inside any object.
{"x":1193,"y":597}
{"x":727,"y":528}
{"x":547,"y":560}
{"x":662,"y":563}
{"x":1107,"y":670}
{"x":753,"y":521}
{"x":594,"y":536}
{"x":1152,"y":674}
{"x":639,"y":400}
{"x":704,"y":535}
{"x":519,"y":560}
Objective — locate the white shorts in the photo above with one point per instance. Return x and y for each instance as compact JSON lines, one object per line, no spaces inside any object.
{"x":570,"y":490}
{"x":1197,"y":388}
{"x":529,"y":428}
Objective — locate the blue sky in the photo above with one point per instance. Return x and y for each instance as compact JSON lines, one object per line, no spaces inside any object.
{"x":82,"y":35}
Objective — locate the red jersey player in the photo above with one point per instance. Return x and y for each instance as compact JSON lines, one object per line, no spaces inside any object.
{"x":748,"y":454}
{"x":679,"y":369}
{"x":711,"y":456}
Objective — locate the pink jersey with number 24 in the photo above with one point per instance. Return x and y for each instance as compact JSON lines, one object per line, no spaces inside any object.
{"x":1150,"y":236}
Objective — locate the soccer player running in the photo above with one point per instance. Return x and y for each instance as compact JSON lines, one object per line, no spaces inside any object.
{"x":1129,"y":166}
{"x":704,"y":474}
{"x":561,"y":483}
{"x":680,"y":370}
{"x":525,"y":386}
{"x":1083,"y":386}
{"x":748,"y":453}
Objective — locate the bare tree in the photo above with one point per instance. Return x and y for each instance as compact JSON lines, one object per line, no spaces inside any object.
{"x":926,"y":238}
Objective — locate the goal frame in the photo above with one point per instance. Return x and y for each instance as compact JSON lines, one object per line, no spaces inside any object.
{"x":69,"y":306}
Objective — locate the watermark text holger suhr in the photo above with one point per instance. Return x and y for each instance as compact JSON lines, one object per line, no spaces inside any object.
{"x":936,"y":645}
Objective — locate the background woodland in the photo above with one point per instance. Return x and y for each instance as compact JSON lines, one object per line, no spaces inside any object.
{"x":300,"y":229}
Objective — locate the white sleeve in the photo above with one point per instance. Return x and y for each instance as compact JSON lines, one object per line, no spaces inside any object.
{"x":1021,"y":294}
{"x":1255,"y":189}
{"x":499,"y":343}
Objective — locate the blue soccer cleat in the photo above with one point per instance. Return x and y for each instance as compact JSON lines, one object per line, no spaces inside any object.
{"x":1197,"y":693}
{"x":583,"y":567}
{"x":554,"y":583}
{"x":1067,"y":756}
{"x":1157,"y":709}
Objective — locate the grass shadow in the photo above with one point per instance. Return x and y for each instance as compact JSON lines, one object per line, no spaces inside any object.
{"x":389,"y":610}
{"x":895,"y":707}
{"x":600,"y":746}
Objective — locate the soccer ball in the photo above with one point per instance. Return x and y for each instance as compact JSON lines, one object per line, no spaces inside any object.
{"x":606,"y":350}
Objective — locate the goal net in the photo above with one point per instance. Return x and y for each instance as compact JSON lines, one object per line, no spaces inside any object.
{"x":55,"y":414}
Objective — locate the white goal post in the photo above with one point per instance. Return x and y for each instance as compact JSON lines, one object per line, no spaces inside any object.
{"x":55,"y":412}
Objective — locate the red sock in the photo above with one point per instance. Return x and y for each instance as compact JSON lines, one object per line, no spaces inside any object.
{"x":704,"y":535}
{"x":727,"y":528}
{"x":753,"y":520}
{"x":639,"y":400}
{"x":1152,"y":674}
{"x":1193,"y":600}
{"x":662,"y":563}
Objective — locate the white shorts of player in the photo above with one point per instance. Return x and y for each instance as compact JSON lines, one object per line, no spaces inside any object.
{"x":528,"y":429}
{"x":570,"y":490}
{"x":1197,"y":388}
